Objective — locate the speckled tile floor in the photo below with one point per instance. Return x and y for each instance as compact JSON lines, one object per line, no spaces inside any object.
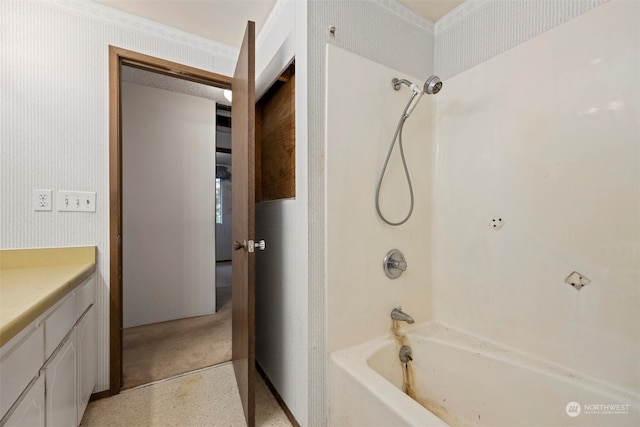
{"x":208,"y":397}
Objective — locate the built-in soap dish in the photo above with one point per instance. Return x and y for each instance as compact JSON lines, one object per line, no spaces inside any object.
{"x":577,"y":280}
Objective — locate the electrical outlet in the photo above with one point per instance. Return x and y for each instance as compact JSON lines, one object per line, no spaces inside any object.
{"x":41,"y":200}
{"x":76,"y":201}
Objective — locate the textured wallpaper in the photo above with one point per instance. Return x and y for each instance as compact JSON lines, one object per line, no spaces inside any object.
{"x":480,"y":29}
{"x":55,"y":117}
{"x":54,"y":106}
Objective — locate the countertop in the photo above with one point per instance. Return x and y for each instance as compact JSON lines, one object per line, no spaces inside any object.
{"x":33,"y":280}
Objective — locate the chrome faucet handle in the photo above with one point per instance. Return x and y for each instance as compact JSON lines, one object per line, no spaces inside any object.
{"x":400,"y":265}
{"x":394,"y":264}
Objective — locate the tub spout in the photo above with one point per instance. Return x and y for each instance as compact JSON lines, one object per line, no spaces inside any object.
{"x":398,"y":314}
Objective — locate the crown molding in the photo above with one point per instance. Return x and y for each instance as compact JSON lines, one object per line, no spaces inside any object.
{"x":458,"y":14}
{"x":402,"y":11}
{"x":108,"y":15}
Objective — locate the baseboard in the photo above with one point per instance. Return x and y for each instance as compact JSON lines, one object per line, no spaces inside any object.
{"x":100,"y":395}
{"x":275,"y":393}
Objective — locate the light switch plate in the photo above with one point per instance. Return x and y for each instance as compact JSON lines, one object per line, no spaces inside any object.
{"x":76,"y":201}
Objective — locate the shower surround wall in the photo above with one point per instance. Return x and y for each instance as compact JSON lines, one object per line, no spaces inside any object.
{"x":390,"y":34}
{"x":362,"y":115}
{"x":546,"y":136}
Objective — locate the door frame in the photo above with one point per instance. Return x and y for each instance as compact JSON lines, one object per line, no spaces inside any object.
{"x":117,"y":58}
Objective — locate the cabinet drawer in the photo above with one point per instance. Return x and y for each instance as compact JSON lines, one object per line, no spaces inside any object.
{"x":19,"y":366}
{"x":86,"y":295}
{"x":59,"y":323}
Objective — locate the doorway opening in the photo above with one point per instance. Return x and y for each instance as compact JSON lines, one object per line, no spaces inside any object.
{"x":177,"y":313}
{"x":121,"y":63}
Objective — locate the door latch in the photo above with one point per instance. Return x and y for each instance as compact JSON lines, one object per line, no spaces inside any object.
{"x":249,"y":246}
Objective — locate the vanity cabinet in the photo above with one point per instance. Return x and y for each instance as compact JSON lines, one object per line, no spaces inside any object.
{"x":61,"y":381}
{"x":30,"y":410}
{"x":87,"y":358}
{"x":48,"y":371}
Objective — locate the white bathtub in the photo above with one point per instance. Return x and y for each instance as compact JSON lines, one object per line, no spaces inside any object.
{"x":466,"y":381}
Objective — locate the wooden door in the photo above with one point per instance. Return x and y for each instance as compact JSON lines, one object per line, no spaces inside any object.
{"x":243,"y":223}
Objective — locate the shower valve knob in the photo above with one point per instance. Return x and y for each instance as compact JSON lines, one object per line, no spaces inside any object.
{"x":394,"y":264}
{"x":400,"y":265}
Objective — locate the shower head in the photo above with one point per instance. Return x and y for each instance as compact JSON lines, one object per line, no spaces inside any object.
{"x":433,"y":85}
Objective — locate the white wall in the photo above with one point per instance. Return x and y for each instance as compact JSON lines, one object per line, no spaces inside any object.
{"x":385,"y":32}
{"x":223,"y":231}
{"x":55,"y":117}
{"x":281,"y":270}
{"x":362,"y":114}
{"x":547,"y":137}
{"x":168,"y":205}
{"x":480,"y":29}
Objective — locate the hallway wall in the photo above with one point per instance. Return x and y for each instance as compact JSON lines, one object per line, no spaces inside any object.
{"x":168,"y":205}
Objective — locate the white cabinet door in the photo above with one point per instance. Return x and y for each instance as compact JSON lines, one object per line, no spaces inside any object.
{"x":19,"y":366}
{"x":87,"y":357}
{"x":30,"y":410}
{"x":61,"y":384}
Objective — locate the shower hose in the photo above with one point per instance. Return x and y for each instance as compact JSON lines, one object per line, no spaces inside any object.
{"x":396,"y":137}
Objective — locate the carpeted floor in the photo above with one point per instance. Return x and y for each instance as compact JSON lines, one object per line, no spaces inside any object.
{"x":163,"y":350}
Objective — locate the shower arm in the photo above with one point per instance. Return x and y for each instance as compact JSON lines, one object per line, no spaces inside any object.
{"x":395,"y":83}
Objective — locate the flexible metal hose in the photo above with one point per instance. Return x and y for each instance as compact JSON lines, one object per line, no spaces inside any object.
{"x":397,"y":136}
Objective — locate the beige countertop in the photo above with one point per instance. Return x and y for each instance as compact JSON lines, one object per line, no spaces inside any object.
{"x":33,"y":280}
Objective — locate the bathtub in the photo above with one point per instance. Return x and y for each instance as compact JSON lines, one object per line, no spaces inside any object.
{"x":466,"y":381}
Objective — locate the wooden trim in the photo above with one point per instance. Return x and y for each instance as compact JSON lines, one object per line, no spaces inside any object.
{"x":100,"y":395}
{"x":117,"y":58}
{"x":115,"y":225}
{"x":258,"y":153}
{"x":276,"y":395}
{"x":169,"y":68}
